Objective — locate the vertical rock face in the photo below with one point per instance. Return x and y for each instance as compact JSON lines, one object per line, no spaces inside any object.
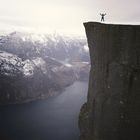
{"x":112,"y":111}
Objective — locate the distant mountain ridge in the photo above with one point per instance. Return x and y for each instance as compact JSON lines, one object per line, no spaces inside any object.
{"x":62,"y":48}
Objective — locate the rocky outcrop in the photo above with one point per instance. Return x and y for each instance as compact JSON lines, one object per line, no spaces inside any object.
{"x":112,"y":111}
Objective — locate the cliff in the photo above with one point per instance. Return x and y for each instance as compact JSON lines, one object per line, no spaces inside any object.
{"x":112,"y":111}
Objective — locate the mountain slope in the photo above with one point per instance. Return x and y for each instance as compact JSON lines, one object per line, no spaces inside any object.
{"x":34,"y":69}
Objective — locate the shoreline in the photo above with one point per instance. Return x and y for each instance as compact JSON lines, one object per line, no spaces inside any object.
{"x":43,"y":96}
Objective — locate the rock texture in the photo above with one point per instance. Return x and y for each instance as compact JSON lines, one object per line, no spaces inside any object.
{"x":112,"y":111}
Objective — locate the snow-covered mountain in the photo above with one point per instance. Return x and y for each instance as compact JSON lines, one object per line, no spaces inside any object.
{"x":38,"y":66}
{"x":62,"y":48}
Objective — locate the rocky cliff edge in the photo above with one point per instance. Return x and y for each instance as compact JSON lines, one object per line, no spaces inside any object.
{"x":112,"y":111}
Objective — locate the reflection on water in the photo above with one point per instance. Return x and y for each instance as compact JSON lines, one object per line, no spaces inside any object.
{"x":52,"y":119}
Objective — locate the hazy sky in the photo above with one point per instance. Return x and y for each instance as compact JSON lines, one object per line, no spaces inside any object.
{"x":66,"y":16}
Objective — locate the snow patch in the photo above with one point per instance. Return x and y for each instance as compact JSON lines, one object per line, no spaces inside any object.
{"x":28,"y":68}
{"x":40,"y":63}
{"x":86,"y":63}
{"x":68,"y":65}
{"x":86,"y":48}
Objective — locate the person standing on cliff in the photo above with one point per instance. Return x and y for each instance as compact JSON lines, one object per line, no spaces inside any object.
{"x":102,"y":17}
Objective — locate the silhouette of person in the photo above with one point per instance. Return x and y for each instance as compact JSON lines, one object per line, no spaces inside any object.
{"x":102,"y":17}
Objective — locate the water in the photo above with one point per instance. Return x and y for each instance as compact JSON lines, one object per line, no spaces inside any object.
{"x":52,"y":119}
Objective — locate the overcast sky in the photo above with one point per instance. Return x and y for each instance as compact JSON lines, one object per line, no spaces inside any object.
{"x":64,"y":16}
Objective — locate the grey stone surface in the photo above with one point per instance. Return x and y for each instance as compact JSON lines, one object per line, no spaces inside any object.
{"x":112,"y":111}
